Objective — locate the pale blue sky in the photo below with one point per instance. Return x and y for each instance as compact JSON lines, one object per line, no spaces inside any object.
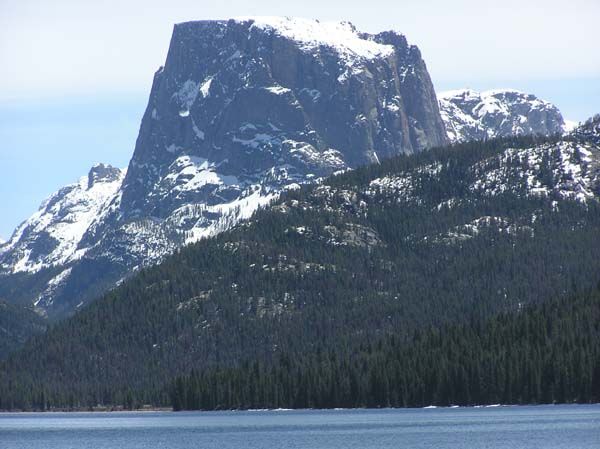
{"x":76,"y":75}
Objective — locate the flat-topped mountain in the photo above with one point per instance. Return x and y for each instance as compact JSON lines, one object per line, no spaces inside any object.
{"x":241,"y":110}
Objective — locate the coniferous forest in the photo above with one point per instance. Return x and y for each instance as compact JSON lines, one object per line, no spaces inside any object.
{"x":547,"y":353}
{"x":398,"y":284}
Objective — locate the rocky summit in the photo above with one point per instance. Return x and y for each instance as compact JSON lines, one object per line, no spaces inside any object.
{"x":241,"y":110}
{"x":51,"y":236}
{"x":470,"y":115}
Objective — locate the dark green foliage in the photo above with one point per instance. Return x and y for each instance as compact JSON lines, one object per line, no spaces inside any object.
{"x":542,"y":354}
{"x":18,"y":286}
{"x":17,"y":323}
{"x":329,"y":269}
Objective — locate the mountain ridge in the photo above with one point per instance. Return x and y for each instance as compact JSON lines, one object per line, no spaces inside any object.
{"x":64,"y":216}
{"x":471,"y":115}
{"x":414,"y":241}
{"x":241,"y":110}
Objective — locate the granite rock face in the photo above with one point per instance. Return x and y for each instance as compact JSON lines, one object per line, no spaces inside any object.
{"x":470,"y":115}
{"x":103,"y":173}
{"x":267,"y":102}
{"x":241,"y":110}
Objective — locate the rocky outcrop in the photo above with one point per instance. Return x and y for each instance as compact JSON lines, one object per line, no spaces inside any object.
{"x":470,"y":115}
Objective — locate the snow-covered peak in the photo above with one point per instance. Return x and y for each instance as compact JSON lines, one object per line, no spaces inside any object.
{"x":493,"y":100}
{"x":242,"y":109}
{"x":52,"y":234}
{"x":471,"y":115}
{"x":312,"y":34}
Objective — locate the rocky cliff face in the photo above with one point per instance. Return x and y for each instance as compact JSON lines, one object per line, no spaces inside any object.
{"x":266,"y":102}
{"x":470,"y":115}
{"x":241,"y":110}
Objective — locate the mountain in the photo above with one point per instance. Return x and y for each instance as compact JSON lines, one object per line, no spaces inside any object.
{"x":444,"y":237}
{"x":242,"y":110}
{"x":51,"y":236}
{"x":50,"y":240}
{"x":470,"y":115}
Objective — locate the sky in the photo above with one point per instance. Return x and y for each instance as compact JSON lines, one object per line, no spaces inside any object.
{"x":75,"y":75}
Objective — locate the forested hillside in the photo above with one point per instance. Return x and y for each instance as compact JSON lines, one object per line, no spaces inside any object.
{"x":17,"y":324}
{"x":367,"y":259}
{"x":543,"y":353}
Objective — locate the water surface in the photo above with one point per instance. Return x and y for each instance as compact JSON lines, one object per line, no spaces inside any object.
{"x":548,"y":427}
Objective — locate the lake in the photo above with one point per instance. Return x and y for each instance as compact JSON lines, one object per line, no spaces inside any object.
{"x":561,"y":426}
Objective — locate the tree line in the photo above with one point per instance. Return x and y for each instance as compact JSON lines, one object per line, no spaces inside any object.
{"x":548,"y":353}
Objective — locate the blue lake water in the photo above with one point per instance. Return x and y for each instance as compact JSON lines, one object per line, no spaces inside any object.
{"x":548,"y":427}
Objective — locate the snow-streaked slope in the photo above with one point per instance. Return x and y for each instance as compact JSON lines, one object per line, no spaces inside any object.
{"x":51,"y":236}
{"x":498,"y":188}
{"x":313,"y":34}
{"x":568,"y":168}
{"x":470,"y":115}
{"x":242,"y":110}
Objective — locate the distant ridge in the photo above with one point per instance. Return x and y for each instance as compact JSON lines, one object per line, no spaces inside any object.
{"x":470,"y":115}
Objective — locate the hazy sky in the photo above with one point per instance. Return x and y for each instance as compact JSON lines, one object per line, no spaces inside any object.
{"x":75,"y":75}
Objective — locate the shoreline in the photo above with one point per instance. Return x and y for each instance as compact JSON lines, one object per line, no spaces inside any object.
{"x":109,"y":410}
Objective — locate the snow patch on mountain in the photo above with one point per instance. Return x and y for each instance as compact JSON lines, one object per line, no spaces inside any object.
{"x":45,"y":298}
{"x":193,"y":173}
{"x":241,"y":110}
{"x":205,"y":88}
{"x":500,"y":225}
{"x":187,"y":94}
{"x":231,"y":213}
{"x":403,"y":187}
{"x":566,"y":169}
{"x":342,"y":37}
{"x":309,"y":155}
{"x":471,"y":115}
{"x":51,"y":236}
